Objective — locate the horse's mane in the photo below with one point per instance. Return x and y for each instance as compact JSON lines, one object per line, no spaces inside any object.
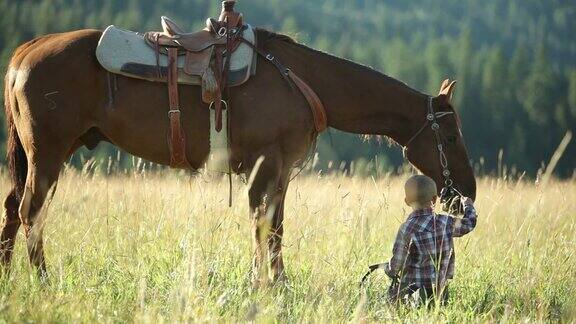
{"x":264,"y":36}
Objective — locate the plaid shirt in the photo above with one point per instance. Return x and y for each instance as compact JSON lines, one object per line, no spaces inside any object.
{"x":424,"y":246}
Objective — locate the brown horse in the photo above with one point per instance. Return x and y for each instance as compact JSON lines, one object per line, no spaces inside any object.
{"x":56,"y":98}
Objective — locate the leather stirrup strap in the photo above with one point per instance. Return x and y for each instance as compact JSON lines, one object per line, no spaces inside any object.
{"x":176,"y":140}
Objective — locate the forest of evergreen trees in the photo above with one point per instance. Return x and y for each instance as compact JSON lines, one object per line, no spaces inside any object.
{"x":515,"y":60}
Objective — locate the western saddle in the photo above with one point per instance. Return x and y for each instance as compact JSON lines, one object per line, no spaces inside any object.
{"x":211,"y":47}
{"x":212,"y":34}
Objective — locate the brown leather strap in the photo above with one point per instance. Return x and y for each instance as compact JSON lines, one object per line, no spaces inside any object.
{"x":318,"y":111}
{"x":316,"y":106}
{"x":218,"y":100}
{"x":222,"y":70}
{"x":176,"y":140}
{"x":228,"y":58}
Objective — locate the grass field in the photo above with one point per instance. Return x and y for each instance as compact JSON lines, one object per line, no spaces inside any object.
{"x":150,"y":247}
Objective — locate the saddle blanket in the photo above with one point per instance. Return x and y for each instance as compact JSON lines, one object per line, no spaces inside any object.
{"x":127,"y":53}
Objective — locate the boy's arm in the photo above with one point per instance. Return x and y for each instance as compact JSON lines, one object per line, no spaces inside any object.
{"x":399,"y":252}
{"x":465,"y":225}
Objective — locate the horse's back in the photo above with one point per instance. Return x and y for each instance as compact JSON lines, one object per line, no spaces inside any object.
{"x":47,"y":46}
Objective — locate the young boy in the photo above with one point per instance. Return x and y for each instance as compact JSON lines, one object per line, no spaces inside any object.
{"x":423,"y":253}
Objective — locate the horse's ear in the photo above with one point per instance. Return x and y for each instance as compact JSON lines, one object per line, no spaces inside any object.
{"x":447,"y":89}
{"x":445,"y":83}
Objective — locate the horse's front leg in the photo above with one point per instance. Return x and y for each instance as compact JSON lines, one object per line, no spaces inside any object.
{"x":265,"y":196}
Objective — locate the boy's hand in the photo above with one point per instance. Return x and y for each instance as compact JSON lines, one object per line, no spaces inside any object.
{"x":388,"y":271}
{"x":467,"y":201}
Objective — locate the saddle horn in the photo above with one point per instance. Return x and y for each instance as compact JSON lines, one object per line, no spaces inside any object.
{"x":234,"y":18}
{"x":228,"y":5}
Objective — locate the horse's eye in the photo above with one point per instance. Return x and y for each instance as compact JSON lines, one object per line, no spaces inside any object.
{"x":451,"y":139}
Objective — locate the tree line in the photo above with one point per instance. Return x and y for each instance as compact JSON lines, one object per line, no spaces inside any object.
{"x":515,"y":61}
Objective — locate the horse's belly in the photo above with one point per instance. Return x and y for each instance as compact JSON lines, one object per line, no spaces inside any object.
{"x":138,"y":121}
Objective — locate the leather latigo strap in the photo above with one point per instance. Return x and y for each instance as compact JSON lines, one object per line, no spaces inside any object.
{"x":218,"y":100}
{"x":176,"y":140}
{"x":222,"y":69}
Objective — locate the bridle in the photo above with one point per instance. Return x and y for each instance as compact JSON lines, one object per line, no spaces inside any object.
{"x":432,"y":121}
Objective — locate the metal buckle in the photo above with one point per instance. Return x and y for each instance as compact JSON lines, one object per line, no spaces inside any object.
{"x":221,"y":100}
{"x":430,"y":117}
{"x":435,"y":126}
{"x":222,"y":31}
{"x":174,"y":111}
{"x":269,"y":57}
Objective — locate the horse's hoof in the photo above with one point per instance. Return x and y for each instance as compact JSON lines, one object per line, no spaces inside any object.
{"x":256,"y":284}
{"x":280,"y":279}
{"x":280,"y":282}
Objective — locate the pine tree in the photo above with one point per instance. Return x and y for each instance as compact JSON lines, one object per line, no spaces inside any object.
{"x":495,"y":94}
{"x":572,"y":93}
{"x":539,"y":92}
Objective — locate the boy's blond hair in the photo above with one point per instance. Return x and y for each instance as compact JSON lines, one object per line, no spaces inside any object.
{"x":420,"y":190}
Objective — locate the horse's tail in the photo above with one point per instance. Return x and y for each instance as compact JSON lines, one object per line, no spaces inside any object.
{"x":15,"y":154}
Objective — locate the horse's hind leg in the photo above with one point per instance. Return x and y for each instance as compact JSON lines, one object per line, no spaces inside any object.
{"x":10,"y":225}
{"x":42,"y":174}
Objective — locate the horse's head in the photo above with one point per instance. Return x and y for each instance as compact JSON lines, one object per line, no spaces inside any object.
{"x":422,"y":148}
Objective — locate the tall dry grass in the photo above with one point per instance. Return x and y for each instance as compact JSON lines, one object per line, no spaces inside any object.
{"x":164,"y":246}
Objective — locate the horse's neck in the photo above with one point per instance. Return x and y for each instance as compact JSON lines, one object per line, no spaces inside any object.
{"x":359,"y":99}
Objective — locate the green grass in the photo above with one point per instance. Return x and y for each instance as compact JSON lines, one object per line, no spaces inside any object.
{"x":151,"y":247}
